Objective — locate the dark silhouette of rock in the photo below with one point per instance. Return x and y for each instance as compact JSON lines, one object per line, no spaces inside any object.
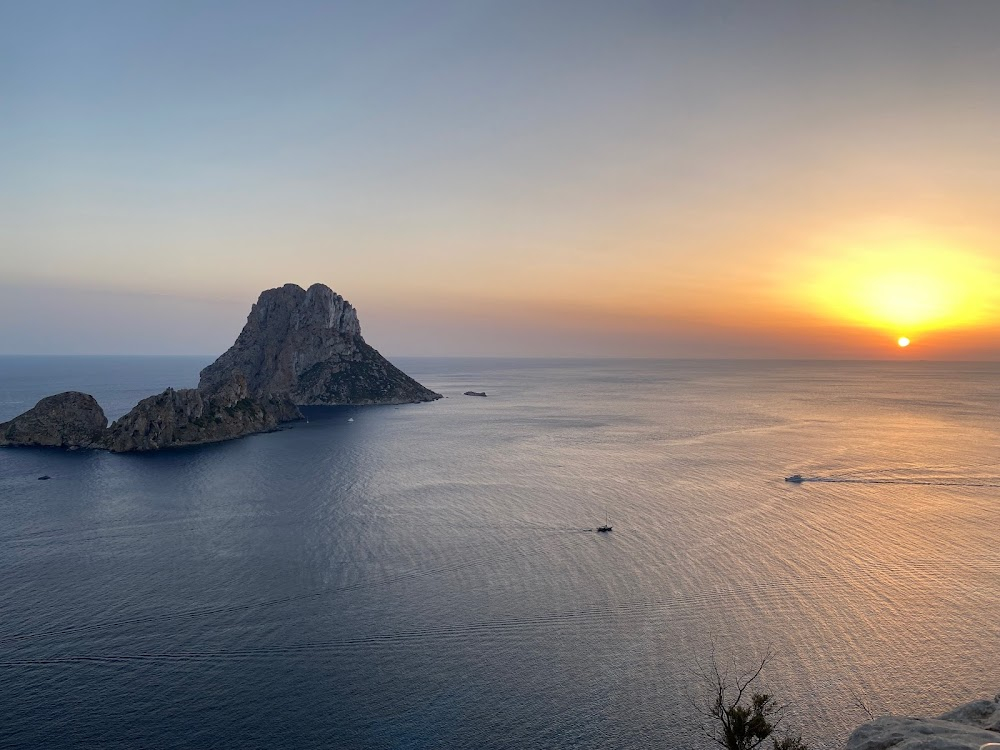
{"x":475,"y":393}
{"x":60,"y":421}
{"x":192,"y":416}
{"x":307,"y":344}
{"x":45,"y":476}
{"x":297,"y":347}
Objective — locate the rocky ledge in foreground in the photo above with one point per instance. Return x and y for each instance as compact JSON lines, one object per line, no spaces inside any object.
{"x":299,"y":347}
{"x":968,"y":727}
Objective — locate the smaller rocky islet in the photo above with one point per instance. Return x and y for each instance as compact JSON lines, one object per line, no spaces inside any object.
{"x":299,"y":347}
{"x":65,"y":420}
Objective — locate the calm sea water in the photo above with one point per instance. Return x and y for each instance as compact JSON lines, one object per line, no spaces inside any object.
{"x":425,"y":577}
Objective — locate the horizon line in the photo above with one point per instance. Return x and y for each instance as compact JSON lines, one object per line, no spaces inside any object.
{"x":574,"y":357}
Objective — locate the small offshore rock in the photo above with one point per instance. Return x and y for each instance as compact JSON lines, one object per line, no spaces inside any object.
{"x":45,"y":476}
{"x":64,"y":420}
{"x":475,"y":393}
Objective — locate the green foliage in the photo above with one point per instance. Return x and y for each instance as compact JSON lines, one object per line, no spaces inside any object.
{"x":791,"y":743}
{"x":245,"y":406}
{"x":738,"y":716}
{"x":744,"y":727}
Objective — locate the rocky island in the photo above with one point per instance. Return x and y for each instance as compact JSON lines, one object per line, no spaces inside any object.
{"x":299,"y":347}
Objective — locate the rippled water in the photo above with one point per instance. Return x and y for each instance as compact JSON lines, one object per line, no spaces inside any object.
{"x":425,"y":577}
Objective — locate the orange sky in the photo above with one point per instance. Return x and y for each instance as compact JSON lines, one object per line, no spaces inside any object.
{"x":788,"y":180}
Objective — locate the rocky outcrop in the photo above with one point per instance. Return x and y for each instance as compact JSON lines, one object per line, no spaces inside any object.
{"x":983,"y":713}
{"x":191,"y":416}
{"x":298,"y":347}
{"x":66,"y":420}
{"x":968,"y":727}
{"x":307,"y":344}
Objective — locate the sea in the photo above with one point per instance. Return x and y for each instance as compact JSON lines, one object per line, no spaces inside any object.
{"x":430,"y":576}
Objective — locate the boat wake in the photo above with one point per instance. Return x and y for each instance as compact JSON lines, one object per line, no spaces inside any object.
{"x":920,"y":481}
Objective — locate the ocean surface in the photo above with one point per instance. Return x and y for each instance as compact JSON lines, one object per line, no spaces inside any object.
{"x":428,"y":576}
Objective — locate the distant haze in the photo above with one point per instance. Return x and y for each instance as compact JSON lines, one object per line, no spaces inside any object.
{"x":659,"y":179}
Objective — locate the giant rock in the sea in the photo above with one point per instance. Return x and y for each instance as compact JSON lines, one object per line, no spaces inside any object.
{"x":307,"y":344}
{"x":299,"y":347}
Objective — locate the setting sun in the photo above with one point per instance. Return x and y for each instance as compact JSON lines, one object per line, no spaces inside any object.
{"x":900,"y":279}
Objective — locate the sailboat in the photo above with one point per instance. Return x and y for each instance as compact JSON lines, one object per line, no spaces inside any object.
{"x":607,"y":523}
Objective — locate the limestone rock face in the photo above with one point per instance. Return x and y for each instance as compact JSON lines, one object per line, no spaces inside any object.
{"x":984,"y":714}
{"x":191,"y":416}
{"x":70,"y":419}
{"x":307,"y":345}
{"x":965,"y":728}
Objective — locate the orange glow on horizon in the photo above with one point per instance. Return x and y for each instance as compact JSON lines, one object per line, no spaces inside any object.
{"x":891,"y":281}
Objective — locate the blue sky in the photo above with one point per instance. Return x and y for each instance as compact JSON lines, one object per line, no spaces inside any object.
{"x":478,"y":177}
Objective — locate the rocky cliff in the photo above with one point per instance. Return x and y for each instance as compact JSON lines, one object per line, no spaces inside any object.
{"x":307,"y":343}
{"x":968,"y":727}
{"x":66,"y":420}
{"x":298,"y":347}
{"x":191,"y":416}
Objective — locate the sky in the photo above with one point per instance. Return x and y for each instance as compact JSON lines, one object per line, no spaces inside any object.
{"x":655,"y":179}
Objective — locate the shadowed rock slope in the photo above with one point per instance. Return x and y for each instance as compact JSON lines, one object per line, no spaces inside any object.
{"x":191,"y":416}
{"x":298,"y":347}
{"x":308,"y":344}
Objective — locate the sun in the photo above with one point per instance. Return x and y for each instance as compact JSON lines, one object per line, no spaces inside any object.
{"x":902,"y":281}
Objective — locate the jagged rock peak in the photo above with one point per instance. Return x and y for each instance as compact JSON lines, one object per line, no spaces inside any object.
{"x":316,"y":306}
{"x":65,"y":420}
{"x":306,"y":344}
